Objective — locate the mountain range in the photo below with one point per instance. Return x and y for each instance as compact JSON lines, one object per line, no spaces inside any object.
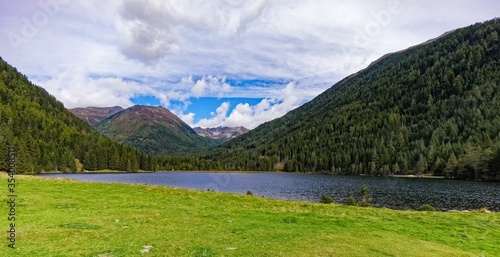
{"x":432,"y":108}
{"x":221,"y":134}
{"x":153,"y":130}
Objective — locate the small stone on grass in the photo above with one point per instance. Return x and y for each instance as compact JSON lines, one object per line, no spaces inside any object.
{"x":146,"y":248}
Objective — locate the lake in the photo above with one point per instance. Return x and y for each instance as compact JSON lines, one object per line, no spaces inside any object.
{"x":394,"y":193}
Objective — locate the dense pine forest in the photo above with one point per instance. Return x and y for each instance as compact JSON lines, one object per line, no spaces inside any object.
{"x":434,"y":108}
{"x":50,"y":138}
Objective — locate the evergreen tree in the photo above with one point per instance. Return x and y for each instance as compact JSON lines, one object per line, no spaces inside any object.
{"x":451,"y":166}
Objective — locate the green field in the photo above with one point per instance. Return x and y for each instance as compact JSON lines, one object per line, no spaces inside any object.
{"x":57,"y":217}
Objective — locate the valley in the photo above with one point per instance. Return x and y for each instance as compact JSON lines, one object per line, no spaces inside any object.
{"x":400,"y":157}
{"x":429,"y":109}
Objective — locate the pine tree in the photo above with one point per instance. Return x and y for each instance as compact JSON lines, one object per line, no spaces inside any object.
{"x":421,"y":166}
{"x":451,"y":166}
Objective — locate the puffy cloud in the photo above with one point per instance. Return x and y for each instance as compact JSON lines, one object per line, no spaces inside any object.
{"x":76,"y":88}
{"x":210,"y":85}
{"x":147,"y":43}
{"x":166,"y":97}
{"x":217,"y":119}
{"x":274,"y":39}
{"x":153,"y":29}
{"x":147,"y":30}
{"x":104,"y":52}
{"x":187,"y":118}
{"x":252,"y":116}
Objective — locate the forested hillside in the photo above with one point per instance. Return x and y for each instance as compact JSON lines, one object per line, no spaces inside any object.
{"x":153,"y":130}
{"x":434,"y":108}
{"x":48,"y":137}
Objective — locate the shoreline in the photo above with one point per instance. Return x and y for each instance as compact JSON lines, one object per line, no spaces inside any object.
{"x":373,"y":205}
{"x":90,"y":172}
{"x":236,"y":172}
{"x":417,"y":176}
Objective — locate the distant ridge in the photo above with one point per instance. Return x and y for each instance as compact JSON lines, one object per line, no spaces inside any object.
{"x":94,"y":115}
{"x":222,"y":134}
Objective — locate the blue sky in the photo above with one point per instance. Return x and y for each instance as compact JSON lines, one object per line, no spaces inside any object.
{"x":203,"y":107}
{"x":214,"y":63}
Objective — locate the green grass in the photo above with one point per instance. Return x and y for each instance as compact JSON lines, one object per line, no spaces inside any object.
{"x":57,"y":217}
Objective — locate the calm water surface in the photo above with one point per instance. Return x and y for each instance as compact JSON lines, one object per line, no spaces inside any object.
{"x":394,"y":193}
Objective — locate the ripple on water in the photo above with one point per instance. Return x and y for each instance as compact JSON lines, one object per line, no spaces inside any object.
{"x":394,"y":193}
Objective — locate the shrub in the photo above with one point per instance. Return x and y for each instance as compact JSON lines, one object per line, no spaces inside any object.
{"x":350,"y":201}
{"x":249,"y":192}
{"x":426,"y":207}
{"x":365,"y":196}
{"x":326,"y":199}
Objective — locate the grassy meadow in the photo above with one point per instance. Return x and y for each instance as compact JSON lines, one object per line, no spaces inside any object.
{"x":58,"y":217}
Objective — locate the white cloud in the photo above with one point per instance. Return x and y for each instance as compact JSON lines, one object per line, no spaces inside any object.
{"x":89,"y":52}
{"x":210,"y":85}
{"x":217,"y":119}
{"x":171,"y":39}
{"x":147,"y":43}
{"x":166,"y":97}
{"x":76,"y":89}
{"x":146,"y":30}
{"x":153,"y":29}
{"x":252,"y":116}
{"x":187,"y":118}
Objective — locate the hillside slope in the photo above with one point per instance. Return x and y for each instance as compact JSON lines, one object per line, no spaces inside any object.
{"x":94,"y":115}
{"x":432,"y":108}
{"x":48,"y":137}
{"x":153,"y":130}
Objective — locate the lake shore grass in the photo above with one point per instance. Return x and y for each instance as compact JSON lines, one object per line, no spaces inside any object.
{"x":145,"y":171}
{"x":60,"y":217}
{"x":107,"y":171}
{"x":93,"y":172}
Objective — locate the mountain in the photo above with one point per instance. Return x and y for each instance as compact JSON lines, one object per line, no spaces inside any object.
{"x":432,"y":108}
{"x":94,"y":115}
{"x":47,"y":137}
{"x":153,"y":130}
{"x":221,"y":134}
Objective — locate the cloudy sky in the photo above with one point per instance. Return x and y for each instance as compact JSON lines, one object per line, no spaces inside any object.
{"x":214,"y":62}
